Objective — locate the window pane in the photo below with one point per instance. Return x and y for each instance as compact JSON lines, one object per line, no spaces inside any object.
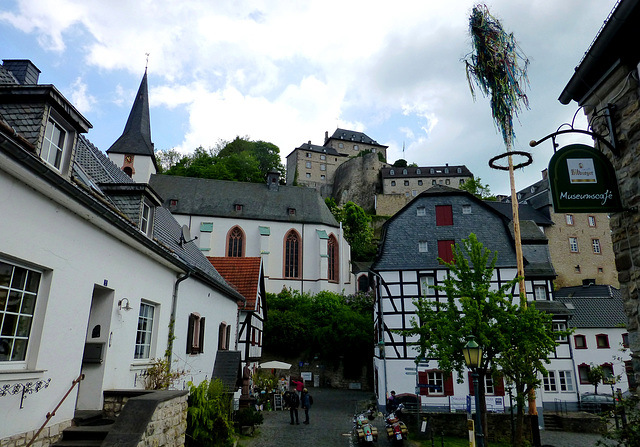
{"x":144,"y":332}
{"x":19,"y":350}
{"x":19,"y":278}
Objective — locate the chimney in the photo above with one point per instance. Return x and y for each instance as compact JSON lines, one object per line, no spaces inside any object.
{"x":309,"y":142}
{"x":23,"y":70}
{"x":273,"y":180}
{"x":545,"y":173}
{"x":326,"y":136}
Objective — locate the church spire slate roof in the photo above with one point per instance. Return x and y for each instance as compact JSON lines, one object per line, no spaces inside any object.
{"x":136,"y":137}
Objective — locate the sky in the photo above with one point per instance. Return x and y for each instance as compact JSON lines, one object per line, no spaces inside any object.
{"x":287,"y":72}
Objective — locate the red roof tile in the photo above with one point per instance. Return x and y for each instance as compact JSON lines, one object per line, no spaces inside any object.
{"x":242,"y":273}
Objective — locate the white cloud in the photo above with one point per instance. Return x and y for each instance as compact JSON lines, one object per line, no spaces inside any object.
{"x":80,"y":96}
{"x":287,"y":72}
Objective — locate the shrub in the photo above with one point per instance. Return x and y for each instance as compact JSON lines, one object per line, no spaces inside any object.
{"x":249,"y":417}
{"x":208,"y":415}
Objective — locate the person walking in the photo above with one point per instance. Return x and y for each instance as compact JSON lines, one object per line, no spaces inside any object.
{"x":294,"y":403}
{"x":306,"y":400}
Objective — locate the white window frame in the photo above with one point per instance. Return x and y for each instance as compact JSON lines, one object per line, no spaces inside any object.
{"x":145,"y":331}
{"x":549,"y":382}
{"x":145,"y":218}
{"x":308,"y":175}
{"x":569,"y":219}
{"x":573,"y":245}
{"x":426,"y":285}
{"x":308,"y":165}
{"x":540,"y":292}
{"x":25,"y":290}
{"x":591,"y":221}
{"x":63,"y":136}
{"x":323,"y":167}
{"x":423,"y":247}
{"x":466,"y":209}
{"x":421,"y":211}
{"x":565,"y":378}
{"x":559,"y":326}
{"x":595,"y":244}
{"x":435,"y":378}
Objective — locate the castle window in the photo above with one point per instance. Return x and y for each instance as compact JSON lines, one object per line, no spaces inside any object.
{"x":292,"y":255}
{"x":54,"y":144}
{"x":235,"y":243}
{"x":332,"y":252}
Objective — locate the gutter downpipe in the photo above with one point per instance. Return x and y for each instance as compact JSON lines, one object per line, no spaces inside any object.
{"x":172,"y":322}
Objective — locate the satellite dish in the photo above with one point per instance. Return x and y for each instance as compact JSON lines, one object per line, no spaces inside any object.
{"x":185,"y":236}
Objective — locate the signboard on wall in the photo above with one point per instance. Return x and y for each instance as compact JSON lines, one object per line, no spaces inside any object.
{"x":583,"y":180}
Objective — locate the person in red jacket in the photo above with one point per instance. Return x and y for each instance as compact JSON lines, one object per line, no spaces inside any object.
{"x":298,"y":384}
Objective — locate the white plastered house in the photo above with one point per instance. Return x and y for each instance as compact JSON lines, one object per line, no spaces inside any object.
{"x":92,"y":269}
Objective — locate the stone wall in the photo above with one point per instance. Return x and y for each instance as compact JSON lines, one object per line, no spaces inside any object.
{"x":358,"y":180}
{"x":49,"y":435}
{"x":389,"y":204}
{"x":621,"y":89}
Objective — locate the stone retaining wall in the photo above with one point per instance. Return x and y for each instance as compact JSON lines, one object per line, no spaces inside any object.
{"x":49,"y":435}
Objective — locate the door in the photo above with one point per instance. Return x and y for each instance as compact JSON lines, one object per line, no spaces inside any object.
{"x":95,"y":349}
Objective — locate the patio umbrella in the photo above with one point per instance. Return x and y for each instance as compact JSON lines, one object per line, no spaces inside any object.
{"x":275,"y":364}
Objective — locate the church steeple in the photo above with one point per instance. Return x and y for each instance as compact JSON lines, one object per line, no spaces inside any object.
{"x":134,"y":150}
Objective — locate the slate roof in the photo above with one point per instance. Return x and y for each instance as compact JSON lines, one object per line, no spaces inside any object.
{"x":94,"y":169}
{"x":525,"y":212}
{"x":319,"y":149}
{"x":217,"y":198}
{"x":403,"y":231}
{"x":136,"y":137}
{"x":594,"y":306}
{"x":227,"y":368}
{"x":351,"y":135}
{"x":425,"y":171}
{"x":6,"y":77}
{"x":244,"y":273}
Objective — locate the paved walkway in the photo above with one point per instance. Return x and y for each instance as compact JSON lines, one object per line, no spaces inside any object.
{"x":331,"y":422}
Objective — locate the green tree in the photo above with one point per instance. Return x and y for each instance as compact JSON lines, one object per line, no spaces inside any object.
{"x":329,"y":326}
{"x":475,"y":187}
{"x":532,"y":332}
{"x":358,"y":230}
{"x":239,"y":160}
{"x":475,"y":308}
{"x":400,"y":163}
{"x":595,"y":376}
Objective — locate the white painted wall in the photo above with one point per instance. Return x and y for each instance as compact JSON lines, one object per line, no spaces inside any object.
{"x":75,"y":255}
{"x":271,"y":249}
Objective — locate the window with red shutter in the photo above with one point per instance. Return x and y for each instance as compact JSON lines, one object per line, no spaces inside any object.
{"x":444,"y":215}
{"x":423,"y":379}
{"x":498,"y":386}
{"x":445,"y":250}
{"x":448,"y":385}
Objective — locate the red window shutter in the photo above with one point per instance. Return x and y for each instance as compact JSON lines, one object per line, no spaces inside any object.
{"x":498,"y":386}
{"x":423,"y":378}
{"x":445,"y":250}
{"x":444,"y":215}
{"x":448,"y":385}
{"x":472,"y":392}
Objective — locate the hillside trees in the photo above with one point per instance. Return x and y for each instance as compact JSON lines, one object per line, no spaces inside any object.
{"x":328,"y":326}
{"x":357,"y":229}
{"x":238,"y":160}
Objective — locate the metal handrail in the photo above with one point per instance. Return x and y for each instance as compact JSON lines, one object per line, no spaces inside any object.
{"x":53,"y":413}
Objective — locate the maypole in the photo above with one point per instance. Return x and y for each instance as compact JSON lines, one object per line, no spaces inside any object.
{"x":499,"y":68}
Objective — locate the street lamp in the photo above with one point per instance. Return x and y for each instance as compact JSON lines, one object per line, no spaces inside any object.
{"x":473,"y":357}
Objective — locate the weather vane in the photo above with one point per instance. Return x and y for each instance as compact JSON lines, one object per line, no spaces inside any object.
{"x":147,"y":63}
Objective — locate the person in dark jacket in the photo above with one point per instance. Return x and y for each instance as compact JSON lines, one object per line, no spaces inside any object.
{"x":306,"y":404}
{"x":294,"y":403}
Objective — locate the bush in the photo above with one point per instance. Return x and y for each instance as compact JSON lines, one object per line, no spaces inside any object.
{"x":208,"y":415}
{"x":249,"y":417}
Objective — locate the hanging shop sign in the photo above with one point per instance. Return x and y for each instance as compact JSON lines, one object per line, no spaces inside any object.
{"x":583,"y":180}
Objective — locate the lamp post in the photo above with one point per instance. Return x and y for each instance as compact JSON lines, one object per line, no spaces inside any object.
{"x":473,"y":357}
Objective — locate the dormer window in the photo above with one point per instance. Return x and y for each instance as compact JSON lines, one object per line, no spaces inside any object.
{"x":418,"y":171}
{"x":145,"y":218}
{"x":459,"y":170}
{"x":292,"y":211}
{"x":404,"y":172}
{"x":238,"y":207}
{"x":432,"y":171}
{"x":392,"y":172}
{"x":54,"y":144}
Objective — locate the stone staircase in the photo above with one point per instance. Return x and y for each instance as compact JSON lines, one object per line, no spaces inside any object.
{"x":552,"y":422}
{"x":89,"y":430}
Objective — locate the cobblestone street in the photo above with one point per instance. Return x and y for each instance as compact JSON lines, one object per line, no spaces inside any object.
{"x":331,"y":420}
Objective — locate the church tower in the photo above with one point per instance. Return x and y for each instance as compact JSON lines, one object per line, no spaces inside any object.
{"x":133,"y":151}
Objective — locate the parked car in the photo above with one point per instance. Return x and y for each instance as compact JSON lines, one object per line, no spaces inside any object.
{"x":596,"y":403}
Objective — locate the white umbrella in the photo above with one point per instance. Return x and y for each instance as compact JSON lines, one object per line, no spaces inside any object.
{"x":275,"y":364}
